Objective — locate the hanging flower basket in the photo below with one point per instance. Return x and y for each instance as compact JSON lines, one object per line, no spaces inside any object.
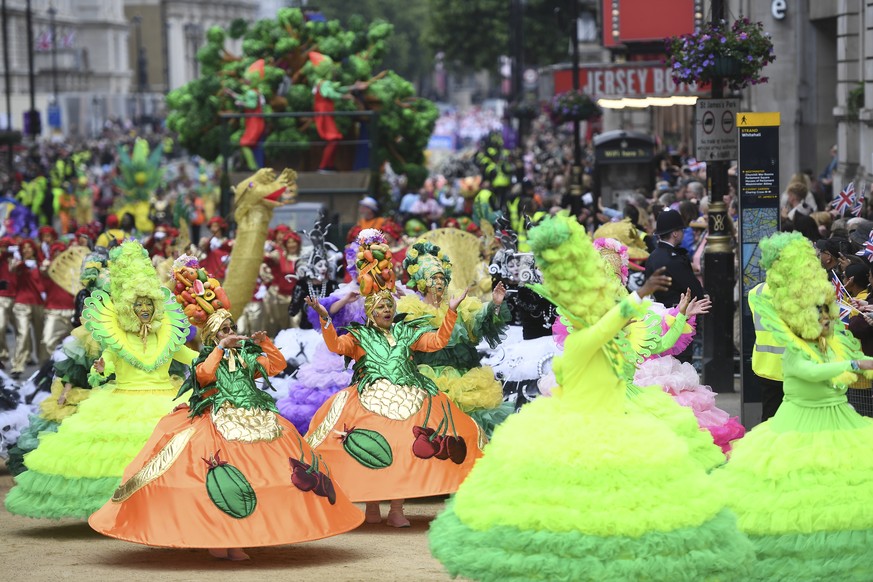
{"x":526,"y":110}
{"x":572,"y":106}
{"x":735,"y":53}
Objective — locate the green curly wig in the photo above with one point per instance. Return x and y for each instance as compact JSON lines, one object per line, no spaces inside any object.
{"x":424,"y":260}
{"x":576,"y":278}
{"x":797,"y":282}
{"x":132,"y":275}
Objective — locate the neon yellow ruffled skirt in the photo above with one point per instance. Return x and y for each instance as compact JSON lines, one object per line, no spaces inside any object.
{"x":75,"y":470}
{"x":801,"y":485}
{"x":564,"y":495}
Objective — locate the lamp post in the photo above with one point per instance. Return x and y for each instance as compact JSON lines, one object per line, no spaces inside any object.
{"x":718,"y":266}
{"x":576,"y":173}
{"x":52,"y":11}
{"x":7,"y":81}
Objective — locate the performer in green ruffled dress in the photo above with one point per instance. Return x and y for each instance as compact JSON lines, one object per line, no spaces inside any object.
{"x":582,"y":486}
{"x":801,"y":483}
{"x":140,"y":330}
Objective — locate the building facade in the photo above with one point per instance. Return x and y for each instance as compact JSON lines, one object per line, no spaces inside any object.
{"x":168,"y":33}
{"x":78,"y":50}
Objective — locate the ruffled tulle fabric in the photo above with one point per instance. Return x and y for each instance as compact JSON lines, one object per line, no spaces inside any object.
{"x":51,"y":410}
{"x":832,"y":555}
{"x":95,"y":444}
{"x":316,"y":381}
{"x":682,"y":382}
{"x":28,"y":441}
{"x":681,"y":421}
{"x":802,"y":482}
{"x":57,"y":497}
{"x":475,"y":389}
{"x":508,"y":553}
{"x":13,"y":422}
{"x":557,"y":484}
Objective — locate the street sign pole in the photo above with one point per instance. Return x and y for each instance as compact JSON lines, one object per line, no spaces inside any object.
{"x":758,"y":174}
{"x":716,"y":144}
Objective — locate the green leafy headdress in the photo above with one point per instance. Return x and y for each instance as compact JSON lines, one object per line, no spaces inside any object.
{"x":797,"y":283}
{"x":132,"y":275}
{"x":423,"y":261}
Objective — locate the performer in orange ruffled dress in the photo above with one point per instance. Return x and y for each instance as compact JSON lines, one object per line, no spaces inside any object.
{"x":392,"y":434}
{"x":227,"y":472}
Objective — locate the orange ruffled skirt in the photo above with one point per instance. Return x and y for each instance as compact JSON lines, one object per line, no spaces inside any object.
{"x":395,"y":442}
{"x":191,"y":487}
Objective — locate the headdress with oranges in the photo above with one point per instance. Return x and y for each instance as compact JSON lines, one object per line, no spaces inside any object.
{"x":201,"y":296}
{"x":375,"y":271}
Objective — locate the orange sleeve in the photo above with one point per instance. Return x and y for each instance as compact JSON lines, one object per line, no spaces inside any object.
{"x":342,"y":345}
{"x":433,"y":341}
{"x":206,"y":370}
{"x":273,"y":361}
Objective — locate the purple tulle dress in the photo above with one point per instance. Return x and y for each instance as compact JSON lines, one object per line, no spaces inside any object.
{"x":326,"y":373}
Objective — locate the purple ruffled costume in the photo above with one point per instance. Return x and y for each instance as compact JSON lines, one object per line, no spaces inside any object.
{"x":326,"y":374}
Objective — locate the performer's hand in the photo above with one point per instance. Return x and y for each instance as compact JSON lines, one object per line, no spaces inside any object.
{"x":231,"y":341}
{"x":456,"y":300}
{"x":659,"y":281}
{"x":259,"y":337}
{"x":865,"y":364}
{"x":498,"y":294}
{"x":699,"y":306}
{"x":99,"y":365}
{"x":684,"y":301}
{"x":316,"y":306}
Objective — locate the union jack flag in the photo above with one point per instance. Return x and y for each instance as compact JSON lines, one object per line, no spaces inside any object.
{"x":845,"y":312}
{"x":839,"y":288}
{"x":845,"y":200}
{"x":867,"y":249}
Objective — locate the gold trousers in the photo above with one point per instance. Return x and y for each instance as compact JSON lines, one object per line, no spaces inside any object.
{"x":5,"y":321}
{"x":25,"y":316}
{"x":276,"y":306}
{"x":58,"y":325}
{"x":252,"y":318}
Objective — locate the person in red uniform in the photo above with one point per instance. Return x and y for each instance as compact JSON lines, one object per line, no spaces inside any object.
{"x":59,"y":307}
{"x":216,"y":248}
{"x":7,"y":295}
{"x":27,"y":311}
{"x":282,"y":264}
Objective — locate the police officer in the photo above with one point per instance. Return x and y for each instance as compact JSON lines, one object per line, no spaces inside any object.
{"x":674,"y":259}
{"x":766,"y":360}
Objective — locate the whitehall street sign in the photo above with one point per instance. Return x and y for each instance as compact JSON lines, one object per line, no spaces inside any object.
{"x":715,"y":135}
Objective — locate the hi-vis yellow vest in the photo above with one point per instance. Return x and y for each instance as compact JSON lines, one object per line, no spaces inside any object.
{"x":767,"y":353}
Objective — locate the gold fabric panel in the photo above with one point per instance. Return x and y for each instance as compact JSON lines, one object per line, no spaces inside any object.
{"x":155,"y":467}
{"x":318,"y":435}
{"x":246,"y":425}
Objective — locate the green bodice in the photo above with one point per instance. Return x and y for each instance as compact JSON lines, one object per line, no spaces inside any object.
{"x":391,"y":362}
{"x":235,"y":387}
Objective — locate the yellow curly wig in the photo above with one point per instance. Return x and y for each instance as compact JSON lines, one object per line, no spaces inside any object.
{"x":132,"y":275}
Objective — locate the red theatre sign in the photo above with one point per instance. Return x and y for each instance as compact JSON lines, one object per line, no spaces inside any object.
{"x":629,"y":80}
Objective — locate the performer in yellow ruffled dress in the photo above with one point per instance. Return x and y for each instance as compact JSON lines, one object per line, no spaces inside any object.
{"x":456,"y":370}
{"x":140,"y":330}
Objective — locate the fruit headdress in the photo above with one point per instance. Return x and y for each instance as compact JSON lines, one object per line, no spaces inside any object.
{"x":422,"y":262}
{"x":375,"y":272}
{"x":202,"y":299}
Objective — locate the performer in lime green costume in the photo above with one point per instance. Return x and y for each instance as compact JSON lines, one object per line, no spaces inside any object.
{"x":577,"y":486}
{"x":800,"y":482}
{"x":140,"y":330}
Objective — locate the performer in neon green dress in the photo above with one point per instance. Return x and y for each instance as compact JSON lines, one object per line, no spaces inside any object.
{"x":581,"y":486}
{"x":800,"y":483}
{"x":140,"y":329}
